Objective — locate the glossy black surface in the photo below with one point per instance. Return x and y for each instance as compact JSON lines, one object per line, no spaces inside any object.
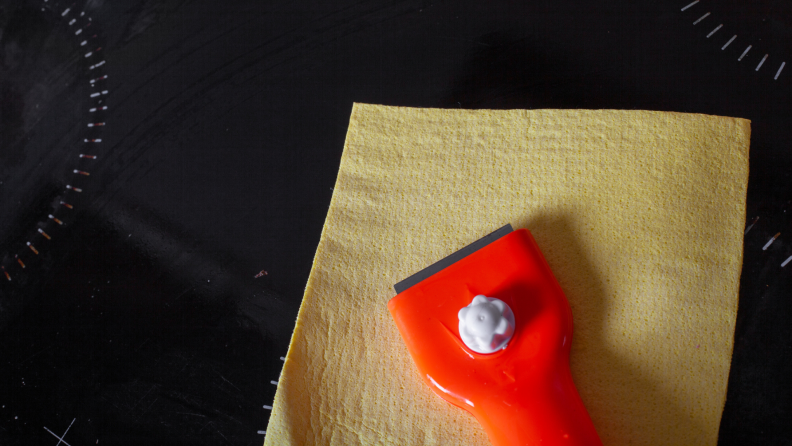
{"x":142,"y":319}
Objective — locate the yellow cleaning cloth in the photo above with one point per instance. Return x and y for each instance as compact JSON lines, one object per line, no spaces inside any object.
{"x":640,"y":215}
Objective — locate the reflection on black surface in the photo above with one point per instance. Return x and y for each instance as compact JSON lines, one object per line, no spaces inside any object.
{"x":29,"y":53}
{"x":149,"y":336}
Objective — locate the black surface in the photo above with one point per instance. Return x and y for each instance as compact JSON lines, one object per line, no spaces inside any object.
{"x":452,"y":258}
{"x":142,"y":320}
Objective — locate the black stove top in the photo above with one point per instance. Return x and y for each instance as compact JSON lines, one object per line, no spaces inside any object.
{"x":166,"y":167}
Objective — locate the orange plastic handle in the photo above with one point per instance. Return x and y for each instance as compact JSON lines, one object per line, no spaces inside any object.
{"x":523,"y":394}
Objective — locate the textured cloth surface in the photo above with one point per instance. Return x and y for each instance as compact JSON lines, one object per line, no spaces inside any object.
{"x":639,"y":214}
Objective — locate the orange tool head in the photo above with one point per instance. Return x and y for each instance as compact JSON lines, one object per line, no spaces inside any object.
{"x":490,"y":331}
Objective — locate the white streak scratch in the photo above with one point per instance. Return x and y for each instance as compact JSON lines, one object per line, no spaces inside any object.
{"x":744,"y":53}
{"x":779,"y":70}
{"x":714,"y":30}
{"x":688,"y":6}
{"x":729,"y":42}
{"x":761,"y":62}
{"x":701,"y":18}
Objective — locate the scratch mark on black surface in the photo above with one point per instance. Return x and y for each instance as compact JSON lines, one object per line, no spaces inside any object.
{"x":183,"y":293}
{"x":145,"y":174}
{"x":322,"y":42}
{"x":229,"y":382}
{"x":183,"y":104}
{"x":141,"y":399}
{"x":177,"y":62}
{"x":60,"y":439}
{"x":142,"y":344}
{"x":149,"y":406}
{"x":259,"y":47}
{"x":186,"y":363}
{"x":34,"y":355}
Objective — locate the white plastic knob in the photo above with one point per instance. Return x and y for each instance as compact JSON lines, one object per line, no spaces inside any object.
{"x":486,"y":325}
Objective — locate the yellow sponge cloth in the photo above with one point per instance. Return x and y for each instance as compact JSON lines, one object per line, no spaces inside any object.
{"x":639,"y":214}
